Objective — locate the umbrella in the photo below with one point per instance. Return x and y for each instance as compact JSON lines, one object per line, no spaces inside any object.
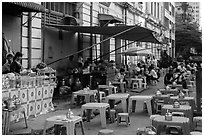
{"x":136,"y":51}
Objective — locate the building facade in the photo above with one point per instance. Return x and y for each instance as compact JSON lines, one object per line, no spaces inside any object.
{"x":40,"y":42}
{"x":193,"y":9}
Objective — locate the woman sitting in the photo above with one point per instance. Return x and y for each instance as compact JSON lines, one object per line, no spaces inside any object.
{"x":168,"y":77}
{"x":153,"y":74}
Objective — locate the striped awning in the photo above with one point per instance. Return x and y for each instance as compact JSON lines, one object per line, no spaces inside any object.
{"x":24,"y":6}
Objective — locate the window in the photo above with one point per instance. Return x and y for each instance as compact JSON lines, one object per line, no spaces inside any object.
{"x":151,"y":7}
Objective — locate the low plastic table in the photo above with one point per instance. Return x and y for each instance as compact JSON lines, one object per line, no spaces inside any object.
{"x":110,"y":88}
{"x":190,"y":100}
{"x":62,"y":120}
{"x":146,"y":99}
{"x":121,"y":85}
{"x":183,"y":108}
{"x":101,"y":107}
{"x":119,"y":96}
{"x":87,"y":95}
{"x":183,"y":122}
{"x":139,"y":80}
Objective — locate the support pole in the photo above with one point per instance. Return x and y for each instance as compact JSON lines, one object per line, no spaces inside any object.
{"x":29,"y":39}
{"x":199,"y":89}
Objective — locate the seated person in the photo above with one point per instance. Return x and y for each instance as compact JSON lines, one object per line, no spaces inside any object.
{"x":168,"y":77}
{"x":153,"y":74}
{"x":177,"y":77}
{"x":147,"y":75}
{"x":120,"y":76}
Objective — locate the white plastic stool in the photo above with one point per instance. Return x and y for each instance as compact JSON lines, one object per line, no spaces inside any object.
{"x":135,"y":85}
{"x":197,"y":122}
{"x":101,"y":94}
{"x":123,"y":115}
{"x":106,"y":132}
{"x":112,"y":115}
{"x":195,"y":133}
{"x":115,"y":90}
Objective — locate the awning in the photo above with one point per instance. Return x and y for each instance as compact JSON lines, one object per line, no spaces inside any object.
{"x":110,"y":18}
{"x":139,"y":34}
{"x":23,"y":6}
{"x":137,"y":51}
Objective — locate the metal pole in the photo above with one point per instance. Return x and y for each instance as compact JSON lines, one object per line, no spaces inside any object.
{"x":199,"y":89}
{"x":29,"y":39}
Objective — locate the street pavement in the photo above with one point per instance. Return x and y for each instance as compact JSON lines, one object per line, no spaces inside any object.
{"x":138,"y":119}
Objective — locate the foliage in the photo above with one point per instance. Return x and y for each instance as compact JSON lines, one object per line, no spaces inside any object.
{"x":166,"y":60}
{"x":187,"y":33}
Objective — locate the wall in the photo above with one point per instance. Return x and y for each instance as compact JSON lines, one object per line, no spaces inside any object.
{"x":12,"y":30}
{"x":55,"y":48}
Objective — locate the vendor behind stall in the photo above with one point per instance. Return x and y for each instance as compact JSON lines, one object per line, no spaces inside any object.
{"x":71,"y":65}
{"x":16,"y":66}
{"x":6,"y":66}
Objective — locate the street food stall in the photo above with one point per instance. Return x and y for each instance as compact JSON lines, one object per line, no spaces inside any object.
{"x":34,"y":91}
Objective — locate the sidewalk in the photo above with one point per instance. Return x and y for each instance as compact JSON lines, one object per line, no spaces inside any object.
{"x":138,"y":119}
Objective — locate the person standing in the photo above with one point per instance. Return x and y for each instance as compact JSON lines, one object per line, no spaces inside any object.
{"x":71,"y":65}
{"x":6,"y":66}
{"x":16,"y":66}
{"x":111,"y":72}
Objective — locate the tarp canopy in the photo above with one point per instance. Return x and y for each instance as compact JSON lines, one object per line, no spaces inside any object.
{"x":136,"y":51}
{"x":110,"y":18}
{"x":139,"y":34}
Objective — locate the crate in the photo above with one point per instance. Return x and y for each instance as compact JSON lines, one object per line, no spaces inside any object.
{"x":38,"y":107}
{"x":23,"y":95}
{"x":32,"y":82}
{"x":45,"y":106}
{"x":39,"y":91}
{"x":31,"y":109}
{"x":50,"y":104}
{"x":14,"y":93}
{"x":51,"y":91}
{"x":45,"y":91}
{"x":31,"y":94}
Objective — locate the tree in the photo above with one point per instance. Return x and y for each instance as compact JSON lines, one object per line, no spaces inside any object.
{"x":187,"y":32}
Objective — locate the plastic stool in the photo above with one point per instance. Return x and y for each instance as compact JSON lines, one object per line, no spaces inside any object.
{"x":144,"y":85}
{"x":195,"y":133}
{"x":126,"y":116}
{"x":197,"y":122}
{"x":112,"y":115}
{"x":115,"y":90}
{"x":106,"y":132}
{"x":135,"y":85}
{"x":101,"y":94}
